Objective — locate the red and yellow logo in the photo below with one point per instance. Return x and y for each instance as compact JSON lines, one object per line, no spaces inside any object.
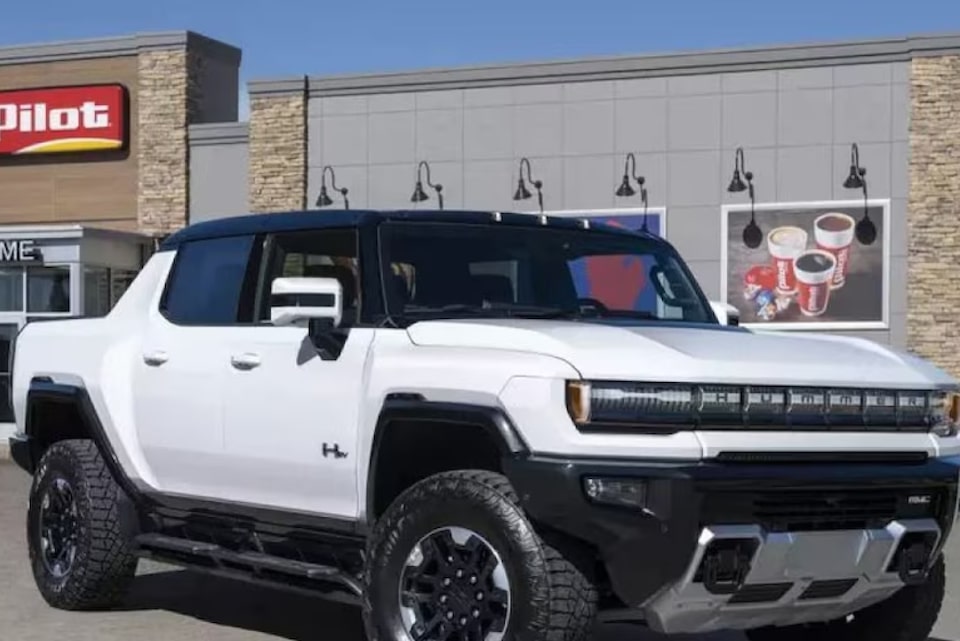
{"x":63,"y":119}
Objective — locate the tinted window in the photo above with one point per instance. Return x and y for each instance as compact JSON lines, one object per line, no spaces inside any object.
{"x":207,"y":278}
{"x":330,"y":253}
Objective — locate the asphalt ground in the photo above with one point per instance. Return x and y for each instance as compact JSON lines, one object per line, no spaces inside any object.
{"x":167,"y":603}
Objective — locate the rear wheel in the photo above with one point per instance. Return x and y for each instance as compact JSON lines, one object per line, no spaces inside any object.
{"x":909,"y":615}
{"x":455,"y":558}
{"x":77,"y":538}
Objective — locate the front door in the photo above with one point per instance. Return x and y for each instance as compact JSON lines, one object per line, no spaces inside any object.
{"x":290,"y":416}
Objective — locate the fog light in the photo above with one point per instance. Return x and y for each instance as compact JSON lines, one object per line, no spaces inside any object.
{"x":621,"y":492}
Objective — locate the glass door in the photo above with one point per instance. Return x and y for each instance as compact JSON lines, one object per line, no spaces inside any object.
{"x":8,"y":333}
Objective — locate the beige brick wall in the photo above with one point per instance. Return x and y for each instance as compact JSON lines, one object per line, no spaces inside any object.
{"x":278,"y":152}
{"x":163,"y":150}
{"x":933,"y":305}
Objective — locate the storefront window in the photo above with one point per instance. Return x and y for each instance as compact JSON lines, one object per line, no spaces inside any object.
{"x":121,"y":279}
{"x":48,"y":290}
{"x":11,"y":289}
{"x":96,"y":291}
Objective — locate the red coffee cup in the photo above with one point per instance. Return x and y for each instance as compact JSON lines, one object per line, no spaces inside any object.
{"x":833,"y":232}
{"x":785,"y":244}
{"x":814,"y":270}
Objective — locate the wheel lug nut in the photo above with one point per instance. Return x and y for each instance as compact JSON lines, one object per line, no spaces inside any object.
{"x":446,"y":581}
{"x":449,"y":614}
{"x":459,"y":574}
{"x":476,"y":613}
{"x":463,"y":620}
{"x":444,"y":598}
{"x":449,"y":559}
{"x":473,"y":580}
{"x":479,"y":596}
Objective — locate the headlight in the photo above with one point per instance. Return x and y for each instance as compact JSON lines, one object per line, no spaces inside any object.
{"x":669,"y":407}
{"x":944,"y":413}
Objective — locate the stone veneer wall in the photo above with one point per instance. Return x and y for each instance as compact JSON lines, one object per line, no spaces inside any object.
{"x":278,"y":150}
{"x":933,"y":305}
{"x":164,"y":97}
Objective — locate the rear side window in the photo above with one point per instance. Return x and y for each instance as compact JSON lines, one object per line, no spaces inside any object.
{"x":207,"y":279}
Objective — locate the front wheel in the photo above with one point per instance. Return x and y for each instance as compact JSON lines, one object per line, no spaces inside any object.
{"x":909,"y":615}
{"x":454,"y":557}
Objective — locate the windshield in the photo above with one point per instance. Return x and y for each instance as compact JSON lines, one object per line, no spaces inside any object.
{"x":450,"y":270}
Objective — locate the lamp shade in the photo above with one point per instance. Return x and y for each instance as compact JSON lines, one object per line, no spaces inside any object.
{"x":419,"y":195}
{"x":324,"y":200}
{"x":854,"y":180}
{"x":736,"y":183}
{"x":626,"y":189}
{"x":522,"y":192}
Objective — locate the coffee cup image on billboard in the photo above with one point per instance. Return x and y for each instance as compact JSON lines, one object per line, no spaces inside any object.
{"x":811,"y":268}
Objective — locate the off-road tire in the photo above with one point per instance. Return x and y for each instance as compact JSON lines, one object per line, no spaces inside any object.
{"x":909,"y":615}
{"x":103,"y":566}
{"x":552,"y":600}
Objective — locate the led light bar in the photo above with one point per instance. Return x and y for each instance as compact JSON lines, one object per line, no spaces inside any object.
{"x":667,"y":407}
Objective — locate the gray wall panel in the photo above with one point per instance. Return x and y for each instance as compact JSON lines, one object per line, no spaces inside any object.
{"x":588,"y":183}
{"x":695,"y":122}
{"x":640,"y":124}
{"x":640,"y":88}
{"x":488,"y":133}
{"x":344,"y":141}
{"x":218,"y":171}
{"x":440,"y":134}
{"x":588,"y":128}
{"x":392,"y":137}
{"x":900,"y":110}
{"x":489,"y":184}
{"x":748,"y":81}
{"x":538,"y":130}
{"x":446,"y":99}
{"x":805,"y":117}
{"x":693,"y":178}
{"x":862,"y":114}
{"x":749,"y":120}
{"x":805,"y":173}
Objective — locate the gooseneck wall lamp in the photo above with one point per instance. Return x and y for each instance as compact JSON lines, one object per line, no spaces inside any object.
{"x":324,"y":200}
{"x":866,"y":231}
{"x":752,"y":236}
{"x":626,"y":189}
{"x":522,"y":192}
{"x":419,"y":195}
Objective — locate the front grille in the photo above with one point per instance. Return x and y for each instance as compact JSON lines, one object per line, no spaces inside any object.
{"x":790,"y":510}
{"x":827,"y":589}
{"x":760,"y":593}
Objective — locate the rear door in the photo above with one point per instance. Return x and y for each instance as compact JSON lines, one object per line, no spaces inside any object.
{"x":179,"y":373}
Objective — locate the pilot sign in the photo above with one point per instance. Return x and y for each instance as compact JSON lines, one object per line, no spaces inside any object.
{"x":18,"y":251}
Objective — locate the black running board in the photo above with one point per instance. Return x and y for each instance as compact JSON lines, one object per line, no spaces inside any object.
{"x":252,"y":566}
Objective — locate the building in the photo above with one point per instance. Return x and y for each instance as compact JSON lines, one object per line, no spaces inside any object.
{"x":802,"y":120}
{"x":94,"y":164}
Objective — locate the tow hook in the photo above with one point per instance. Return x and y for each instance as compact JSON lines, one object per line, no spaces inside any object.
{"x":912,"y":567}
{"x":726,"y":565}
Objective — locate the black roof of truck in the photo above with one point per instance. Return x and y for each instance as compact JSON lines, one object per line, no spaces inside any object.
{"x":320,"y":219}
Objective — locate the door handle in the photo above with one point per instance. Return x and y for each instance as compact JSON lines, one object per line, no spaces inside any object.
{"x":155,"y":358}
{"x":245,"y":361}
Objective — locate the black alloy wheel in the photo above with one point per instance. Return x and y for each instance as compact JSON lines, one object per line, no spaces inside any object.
{"x":455,"y":586}
{"x":59,"y":528}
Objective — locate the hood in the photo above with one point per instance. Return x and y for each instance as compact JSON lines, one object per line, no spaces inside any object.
{"x":696,"y":353}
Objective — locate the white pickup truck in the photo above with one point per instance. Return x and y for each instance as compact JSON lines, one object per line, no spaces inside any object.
{"x":426,"y":414}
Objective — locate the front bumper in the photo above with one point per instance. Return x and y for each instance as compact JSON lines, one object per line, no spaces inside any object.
{"x":807,"y":541}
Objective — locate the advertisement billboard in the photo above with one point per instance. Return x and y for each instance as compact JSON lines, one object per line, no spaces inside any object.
{"x":817,"y":265}
{"x":63,"y":119}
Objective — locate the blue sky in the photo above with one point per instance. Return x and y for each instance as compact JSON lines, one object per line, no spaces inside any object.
{"x":289,"y":37}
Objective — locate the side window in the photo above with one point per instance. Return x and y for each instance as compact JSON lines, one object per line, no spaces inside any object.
{"x":328,"y":253}
{"x":207,"y":279}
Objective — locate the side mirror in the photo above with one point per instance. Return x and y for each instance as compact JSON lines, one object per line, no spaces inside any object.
{"x":726,"y":313}
{"x":295,"y":301}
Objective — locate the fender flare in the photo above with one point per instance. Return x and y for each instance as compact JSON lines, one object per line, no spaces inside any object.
{"x":44,"y":389}
{"x":414,"y":407}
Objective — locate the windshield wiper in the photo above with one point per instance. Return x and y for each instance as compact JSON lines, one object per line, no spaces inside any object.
{"x":494,"y":310}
